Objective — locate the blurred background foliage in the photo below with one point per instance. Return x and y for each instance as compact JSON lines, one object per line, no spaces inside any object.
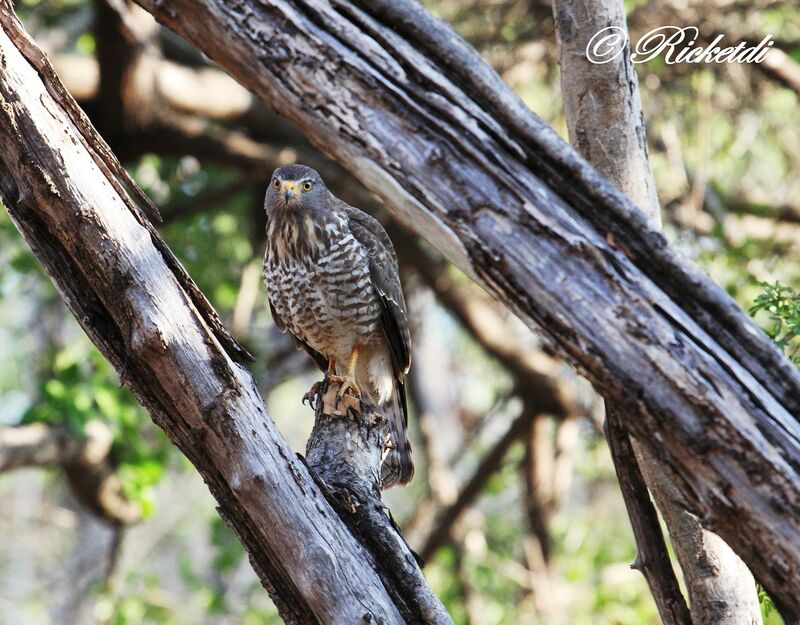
{"x":546,"y":537}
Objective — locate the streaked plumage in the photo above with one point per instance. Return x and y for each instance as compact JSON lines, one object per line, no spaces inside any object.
{"x":333,"y":284}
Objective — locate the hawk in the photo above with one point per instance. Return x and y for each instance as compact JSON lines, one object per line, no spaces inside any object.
{"x":333,"y":284}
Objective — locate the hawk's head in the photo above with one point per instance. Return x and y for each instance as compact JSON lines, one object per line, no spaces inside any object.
{"x":295,"y":187}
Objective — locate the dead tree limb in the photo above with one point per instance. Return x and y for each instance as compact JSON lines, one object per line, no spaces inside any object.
{"x":63,"y":189}
{"x":412,"y":111}
{"x":345,"y":450}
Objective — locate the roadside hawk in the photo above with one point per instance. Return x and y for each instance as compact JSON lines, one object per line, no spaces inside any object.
{"x":333,"y":284}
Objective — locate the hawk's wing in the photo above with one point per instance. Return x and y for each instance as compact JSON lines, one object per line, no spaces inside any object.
{"x":321,"y":361}
{"x":386,"y":282}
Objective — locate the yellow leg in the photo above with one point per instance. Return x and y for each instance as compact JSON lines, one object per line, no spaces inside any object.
{"x":349,"y":381}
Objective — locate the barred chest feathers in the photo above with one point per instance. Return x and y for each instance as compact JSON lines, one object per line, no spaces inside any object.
{"x":318,"y":280}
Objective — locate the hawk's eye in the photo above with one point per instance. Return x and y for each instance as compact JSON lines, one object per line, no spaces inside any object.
{"x":307,"y":185}
{"x":276,"y":183}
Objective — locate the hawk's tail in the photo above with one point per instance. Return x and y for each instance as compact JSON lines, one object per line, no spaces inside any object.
{"x":397,"y":467}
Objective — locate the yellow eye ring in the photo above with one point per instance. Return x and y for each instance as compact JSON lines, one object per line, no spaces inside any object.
{"x":276,"y":183}
{"x":307,"y":185}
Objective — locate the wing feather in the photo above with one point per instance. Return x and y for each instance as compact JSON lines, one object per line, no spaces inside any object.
{"x":384,"y":273}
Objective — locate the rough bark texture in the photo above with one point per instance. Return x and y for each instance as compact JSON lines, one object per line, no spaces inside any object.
{"x":344,"y":451}
{"x":606,"y":125}
{"x":59,"y":184}
{"x":413,"y":112}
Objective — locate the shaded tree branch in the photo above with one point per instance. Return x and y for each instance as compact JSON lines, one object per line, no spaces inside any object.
{"x":84,"y":459}
{"x":652,"y":558}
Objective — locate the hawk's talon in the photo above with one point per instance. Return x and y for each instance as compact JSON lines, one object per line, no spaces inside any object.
{"x":346,"y":384}
{"x":313,"y":394}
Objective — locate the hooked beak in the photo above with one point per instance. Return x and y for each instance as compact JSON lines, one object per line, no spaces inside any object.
{"x":288,"y":190}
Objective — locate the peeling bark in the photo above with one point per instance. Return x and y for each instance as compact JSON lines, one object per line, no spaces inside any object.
{"x":410,"y":109}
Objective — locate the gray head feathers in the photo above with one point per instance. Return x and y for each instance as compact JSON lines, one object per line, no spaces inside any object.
{"x":294,"y":188}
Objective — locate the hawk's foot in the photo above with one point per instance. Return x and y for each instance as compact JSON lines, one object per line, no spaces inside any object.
{"x":312,"y":396}
{"x":346,"y":383}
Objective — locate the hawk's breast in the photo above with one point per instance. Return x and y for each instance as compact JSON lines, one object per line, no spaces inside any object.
{"x":326,"y":298}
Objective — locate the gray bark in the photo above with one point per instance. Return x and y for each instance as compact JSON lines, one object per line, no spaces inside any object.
{"x":411,"y":110}
{"x":606,"y":125}
{"x":344,"y":451}
{"x":64,"y":191}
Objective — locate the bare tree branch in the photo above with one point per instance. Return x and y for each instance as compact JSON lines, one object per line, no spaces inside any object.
{"x":652,"y":558}
{"x":84,"y":460}
{"x":345,"y":450}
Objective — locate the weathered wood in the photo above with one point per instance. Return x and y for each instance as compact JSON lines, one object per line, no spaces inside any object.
{"x":58,"y":182}
{"x":344,"y":451}
{"x":411,"y":110}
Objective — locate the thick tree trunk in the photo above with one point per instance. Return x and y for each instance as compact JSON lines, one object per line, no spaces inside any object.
{"x":62,"y":189}
{"x":606,"y":125}
{"x":411,"y":110}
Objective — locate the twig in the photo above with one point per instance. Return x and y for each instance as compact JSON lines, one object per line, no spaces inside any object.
{"x":653,"y":559}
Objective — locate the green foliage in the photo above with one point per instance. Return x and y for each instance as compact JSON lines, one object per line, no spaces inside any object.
{"x":782,"y":307}
{"x":764,"y":600}
{"x":228,"y":551}
{"x":79,"y":386}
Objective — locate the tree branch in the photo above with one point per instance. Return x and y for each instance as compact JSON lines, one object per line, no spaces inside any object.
{"x":652,"y":558}
{"x":345,"y":450}
{"x":533,"y":372}
{"x":608,"y":129}
{"x":84,"y":460}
